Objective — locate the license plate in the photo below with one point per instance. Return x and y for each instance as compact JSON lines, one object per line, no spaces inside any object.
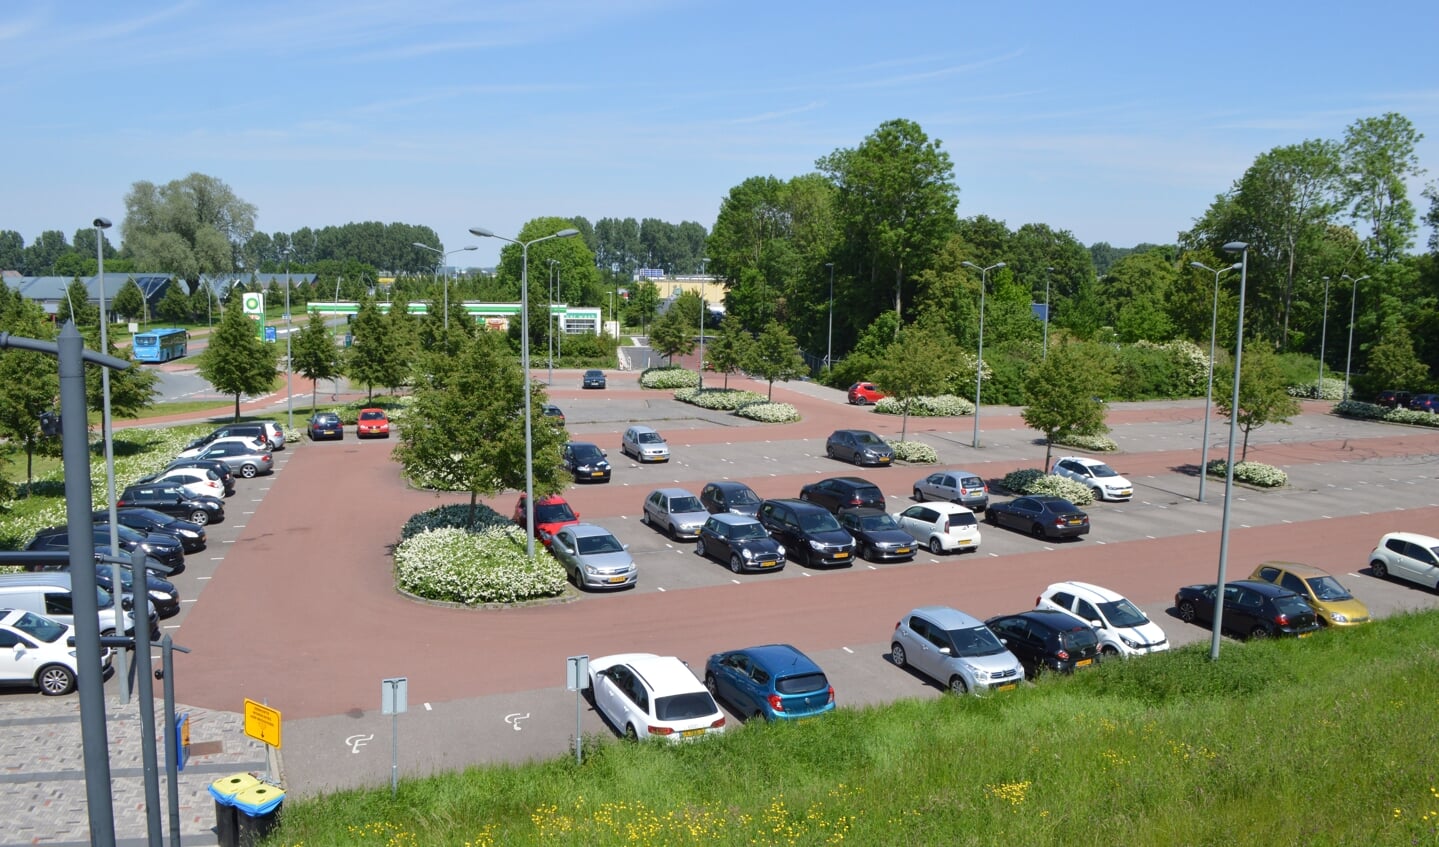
{"x":884,"y":460}
{"x":966,"y":541}
{"x":597,"y":473}
{"x":1083,"y":663}
{"x":692,"y":733}
{"x":841,"y":555}
{"x":900,"y":551}
{"x":1305,"y":634}
{"x":1075,"y":522}
{"x":1008,"y":686}
{"x":768,"y":564}
{"x":618,"y":579}
{"x":1125,"y":494}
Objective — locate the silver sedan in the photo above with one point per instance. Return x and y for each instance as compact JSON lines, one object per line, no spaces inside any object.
{"x":593,"y":557}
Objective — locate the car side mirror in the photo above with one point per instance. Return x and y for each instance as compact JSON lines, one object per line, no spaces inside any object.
{"x":624,"y":546}
{"x":605,"y":454}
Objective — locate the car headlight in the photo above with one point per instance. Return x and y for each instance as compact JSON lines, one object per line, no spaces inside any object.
{"x":1339,"y":617}
{"x":591,"y":570}
{"x":980,"y":675}
{"x":163,"y":596}
{"x":816,"y":545}
{"x":1130,"y":642}
{"x":747,"y":553}
{"x":189,"y":533}
{"x":781,"y":549}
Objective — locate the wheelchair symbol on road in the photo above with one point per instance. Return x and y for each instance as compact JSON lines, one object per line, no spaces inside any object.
{"x":355,"y":742}
{"x":514,"y":718}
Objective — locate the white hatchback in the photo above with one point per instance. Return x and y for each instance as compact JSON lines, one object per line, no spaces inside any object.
{"x":942,"y":527}
{"x":1100,"y":478}
{"x":643,"y":695}
{"x":34,"y":649}
{"x":1408,"y":556}
{"x":1123,"y":629}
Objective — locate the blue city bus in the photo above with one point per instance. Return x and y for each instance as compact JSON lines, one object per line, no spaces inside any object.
{"x":161,"y":345}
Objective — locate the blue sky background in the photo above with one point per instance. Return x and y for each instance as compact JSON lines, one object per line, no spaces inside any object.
{"x":1118,"y":121}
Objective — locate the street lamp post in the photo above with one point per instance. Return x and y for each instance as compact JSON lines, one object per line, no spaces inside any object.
{"x":1209,"y":390}
{"x":443,"y":256}
{"x":289,"y":331}
{"x":102,"y":224}
{"x":1243,"y":249}
{"x":550,"y":323}
{"x":979,"y":362}
{"x":525,"y":369}
{"x":1349,"y":354}
{"x":829,"y":343}
{"x":1323,"y":332}
{"x":1045,"y":354}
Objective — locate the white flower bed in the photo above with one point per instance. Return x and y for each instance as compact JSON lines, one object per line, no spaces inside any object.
{"x":669,"y":377}
{"x":939,"y":406}
{"x":1252,"y":473}
{"x":1372,"y":412}
{"x":719,"y":399}
{"x":456,"y":566}
{"x":769,"y":412}
{"x":1096,"y":443}
{"x":1035,"y":481}
{"x":453,"y":516}
{"x":1329,"y":389}
{"x":914,"y":452}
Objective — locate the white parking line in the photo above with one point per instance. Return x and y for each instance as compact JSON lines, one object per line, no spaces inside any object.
{"x":847,"y":650}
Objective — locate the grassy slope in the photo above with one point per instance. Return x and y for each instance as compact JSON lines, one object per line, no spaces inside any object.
{"x":1328,"y":740}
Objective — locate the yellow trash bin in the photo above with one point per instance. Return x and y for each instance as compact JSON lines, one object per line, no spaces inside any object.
{"x":224,"y":789}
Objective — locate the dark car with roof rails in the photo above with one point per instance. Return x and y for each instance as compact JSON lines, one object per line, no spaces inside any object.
{"x":877,"y":537}
{"x":164,"y":549}
{"x":586,"y":462}
{"x":191,"y":536}
{"x":1047,"y":640}
{"x":843,"y":492}
{"x":729,"y":496}
{"x":809,"y":532}
{"x":172,"y":499}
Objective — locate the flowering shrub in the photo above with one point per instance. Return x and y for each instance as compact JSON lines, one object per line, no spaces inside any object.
{"x":1372,"y":412}
{"x":1190,"y":363}
{"x":1035,"y":481}
{"x":453,"y":516}
{"x":669,"y":377}
{"x":1328,"y":389}
{"x":490,"y":566}
{"x":1097,"y":443}
{"x":1252,"y":473}
{"x":719,"y":399}
{"x":939,"y":406}
{"x":915,"y":452}
{"x":769,"y":412}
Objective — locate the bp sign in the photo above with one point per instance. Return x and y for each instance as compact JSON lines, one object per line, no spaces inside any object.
{"x":253,"y":303}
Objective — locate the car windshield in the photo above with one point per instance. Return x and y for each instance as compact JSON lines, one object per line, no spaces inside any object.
{"x":1102,"y":470}
{"x":742,"y":497}
{"x":682,"y":707}
{"x":868,"y":438}
{"x":593,"y":373}
{"x":802,"y":683}
{"x":978,"y":641}
{"x":688,"y":503}
{"x":818,"y":522}
{"x":649,"y":438}
{"x":959,"y":519}
{"x":748,"y":531}
{"x":103,"y":599}
{"x":1079,"y":640}
{"x":971,"y":482}
{"x":593,"y":545}
{"x":371,"y":416}
{"x":554,"y":513}
{"x":875,"y":523}
{"x":1328,"y":588}
{"x":326,"y":419}
{"x":40,"y":629}
{"x":586,"y":453}
{"x":1123,"y":613}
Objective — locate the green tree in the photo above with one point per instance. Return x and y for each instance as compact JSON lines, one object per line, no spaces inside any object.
{"x":372,"y":358}
{"x":467,"y":431}
{"x":727,"y":349}
{"x":774,"y":356}
{"x":175,"y":306}
{"x":237,"y":361}
{"x":188,"y":227}
{"x":129,"y":303}
{"x":77,"y":306}
{"x":914,"y":366}
{"x":31,"y":380}
{"x":1063,"y":396}
{"x":1263,"y":394}
{"x":643,"y":303}
{"x":202,"y":302}
{"x":314,"y":355}
{"x":132,"y":390}
{"x":403,"y":331}
{"x":673,"y":335}
{"x":1379,"y":159}
{"x":1392,"y":362}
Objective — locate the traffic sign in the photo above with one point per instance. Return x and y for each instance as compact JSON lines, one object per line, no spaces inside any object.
{"x":262,"y":723}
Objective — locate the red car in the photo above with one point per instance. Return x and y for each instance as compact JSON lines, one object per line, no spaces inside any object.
{"x":551,"y":513}
{"x":373,"y":422}
{"x":862,"y":393}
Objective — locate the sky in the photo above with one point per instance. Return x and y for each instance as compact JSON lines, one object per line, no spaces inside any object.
{"x":1117,"y":121}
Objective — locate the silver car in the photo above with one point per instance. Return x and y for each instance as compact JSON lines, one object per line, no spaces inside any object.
{"x":245,"y":460}
{"x":645,"y":444}
{"x":954,"y":649}
{"x":593,"y":557}
{"x":962,"y":487}
{"x":675,"y":512}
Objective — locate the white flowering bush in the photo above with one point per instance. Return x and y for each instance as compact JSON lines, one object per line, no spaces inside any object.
{"x":914,"y":452}
{"x":669,"y":377}
{"x":1191,"y":363}
{"x":1327,"y":389}
{"x":490,"y":566}
{"x":455,"y":516}
{"x":719,"y":399}
{"x":769,"y":412}
{"x":1373,"y":412}
{"x":1252,"y":473}
{"x":1096,"y":443}
{"x":1036,"y":481}
{"x":938,"y":406}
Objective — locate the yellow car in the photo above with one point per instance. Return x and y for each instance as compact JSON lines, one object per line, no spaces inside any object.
{"x":1332,"y":602}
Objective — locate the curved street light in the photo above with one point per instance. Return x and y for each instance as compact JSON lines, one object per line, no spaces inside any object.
{"x":1349,"y":355}
{"x":443,"y":257}
{"x":1323,"y":333}
{"x":1243,"y":249}
{"x":979,"y":362}
{"x":829,"y":345}
{"x":550,"y":323}
{"x":525,"y":369}
{"x":1209,"y":391}
{"x":1045,"y":355}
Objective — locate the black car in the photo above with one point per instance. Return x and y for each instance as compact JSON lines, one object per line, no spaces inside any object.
{"x":190,"y":535}
{"x":741,"y":541}
{"x":173,"y":500}
{"x":164,"y":549}
{"x":585,"y":461}
{"x":1391,"y":399}
{"x":734,"y":497}
{"x":325,"y":425}
{"x":1047,"y":640}
{"x":859,"y":446}
{"x":843,"y":492}
{"x":877,"y":537}
{"x":221,"y":470}
{"x":1251,"y":608}
{"x":1042,"y":516}
{"x":1425,"y":403}
{"x":164,"y":597}
{"x":593,"y":378}
{"x":809,"y":533}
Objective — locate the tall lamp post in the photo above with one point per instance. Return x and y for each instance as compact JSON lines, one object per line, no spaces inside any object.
{"x":829,"y":343}
{"x":1045,"y":354}
{"x":1209,"y":390}
{"x":1243,"y":249}
{"x":1349,"y":354}
{"x":1323,"y":332}
{"x":979,"y":362}
{"x":289,"y":331}
{"x":443,"y":256}
{"x":102,"y":224}
{"x":550,"y":323}
{"x":525,"y":369}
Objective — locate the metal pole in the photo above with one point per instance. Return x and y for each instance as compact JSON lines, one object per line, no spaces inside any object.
{"x":979,"y":362}
{"x":102,"y":224}
{"x":1045,"y":354}
{"x":1349,"y":354}
{"x":172,"y":755}
{"x":140,"y":573}
{"x":289,"y":366}
{"x":550,"y":326}
{"x":1209,"y":389}
{"x":1323,"y":332}
{"x":1229,"y":461}
{"x":829,"y":344}
{"x":701,"y":368}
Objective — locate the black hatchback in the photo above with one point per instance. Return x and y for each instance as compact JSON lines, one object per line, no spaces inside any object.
{"x":809,"y":533}
{"x":1251,"y":608}
{"x":585,"y":461}
{"x":729,"y":496}
{"x":1042,"y":516}
{"x":190,"y":535}
{"x":741,"y":541}
{"x":174,"y":500}
{"x":1047,"y":640}
{"x":164,"y":549}
{"x":843,"y":492}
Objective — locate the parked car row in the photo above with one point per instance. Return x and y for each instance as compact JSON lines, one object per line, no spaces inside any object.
{"x":371,"y":423}
{"x":1405,"y":400}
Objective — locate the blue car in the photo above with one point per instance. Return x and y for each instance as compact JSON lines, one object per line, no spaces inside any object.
{"x":775,"y":682}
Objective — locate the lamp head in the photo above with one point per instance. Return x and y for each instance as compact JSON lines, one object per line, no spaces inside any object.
{"x":998,"y":265}
{"x":1236,"y":266}
{"x":566,"y":233}
{"x":970,"y":265}
{"x":1236,"y":246}
{"x":102,"y":223}
{"x":471,"y":247}
{"x":1198,"y":265}
{"x":481,"y":232}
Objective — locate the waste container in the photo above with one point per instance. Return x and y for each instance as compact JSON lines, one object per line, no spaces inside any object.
{"x":257,"y":811}
{"x":349,"y":339}
{"x":224,"y":789}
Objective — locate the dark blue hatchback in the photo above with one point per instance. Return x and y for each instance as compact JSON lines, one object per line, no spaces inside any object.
{"x":774,"y":681}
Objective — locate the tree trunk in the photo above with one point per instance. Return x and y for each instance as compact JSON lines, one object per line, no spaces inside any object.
{"x":770,"y":398}
{"x":1048,"y":450}
{"x":237,"y":407}
{"x":904,"y":422}
{"x":470,"y":519}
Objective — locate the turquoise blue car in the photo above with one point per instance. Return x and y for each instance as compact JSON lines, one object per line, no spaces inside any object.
{"x":773,"y":681}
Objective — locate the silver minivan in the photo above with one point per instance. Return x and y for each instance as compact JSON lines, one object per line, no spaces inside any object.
{"x":954,"y":649}
{"x":49,"y":594}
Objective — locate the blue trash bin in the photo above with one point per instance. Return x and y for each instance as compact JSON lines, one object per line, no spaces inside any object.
{"x":257,"y":811}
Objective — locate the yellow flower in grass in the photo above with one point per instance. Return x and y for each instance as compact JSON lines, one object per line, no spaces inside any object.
{"x":1011,"y":792}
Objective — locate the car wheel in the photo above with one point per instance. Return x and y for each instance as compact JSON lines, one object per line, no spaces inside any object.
{"x":249,"y":471}
{"x":829,"y":451}
{"x":957,"y":685}
{"x":1109,"y":651}
{"x":1037,"y":531}
{"x":1098,"y":494}
{"x":699,"y":547}
{"x":1187,"y":612}
{"x":735,"y":564}
{"x":863,"y":551}
{"x":935,"y":547}
{"x":918,"y":496}
{"x":55,"y":680}
{"x":645,"y":518}
{"x":200,"y":516}
{"x":1259,"y":632}
{"x":674,"y":532}
{"x":630,"y":734}
{"x":991,"y":517}
{"x":712,"y":685}
{"x":1379,"y":569}
{"x":896,"y":654}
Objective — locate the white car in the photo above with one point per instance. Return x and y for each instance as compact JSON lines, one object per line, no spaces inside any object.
{"x":942,"y":527}
{"x":34,"y":649}
{"x":1099,"y":477}
{"x":1123,"y":629}
{"x":260,"y":445}
{"x":198,"y":482}
{"x":1408,"y":556}
{"x":644,"y":695}
{"x":645,"y":444}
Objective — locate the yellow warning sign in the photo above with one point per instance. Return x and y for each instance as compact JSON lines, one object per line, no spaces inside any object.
{"x":262,"y":722}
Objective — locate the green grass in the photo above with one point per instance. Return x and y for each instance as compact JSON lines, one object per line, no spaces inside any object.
{"x":1325,"y":741}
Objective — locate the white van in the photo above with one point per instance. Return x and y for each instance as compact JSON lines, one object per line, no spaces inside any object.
{"x":49,"y":594}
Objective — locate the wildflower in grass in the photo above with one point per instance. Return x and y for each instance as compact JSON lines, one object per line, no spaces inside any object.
{"x":1012,"y":792}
